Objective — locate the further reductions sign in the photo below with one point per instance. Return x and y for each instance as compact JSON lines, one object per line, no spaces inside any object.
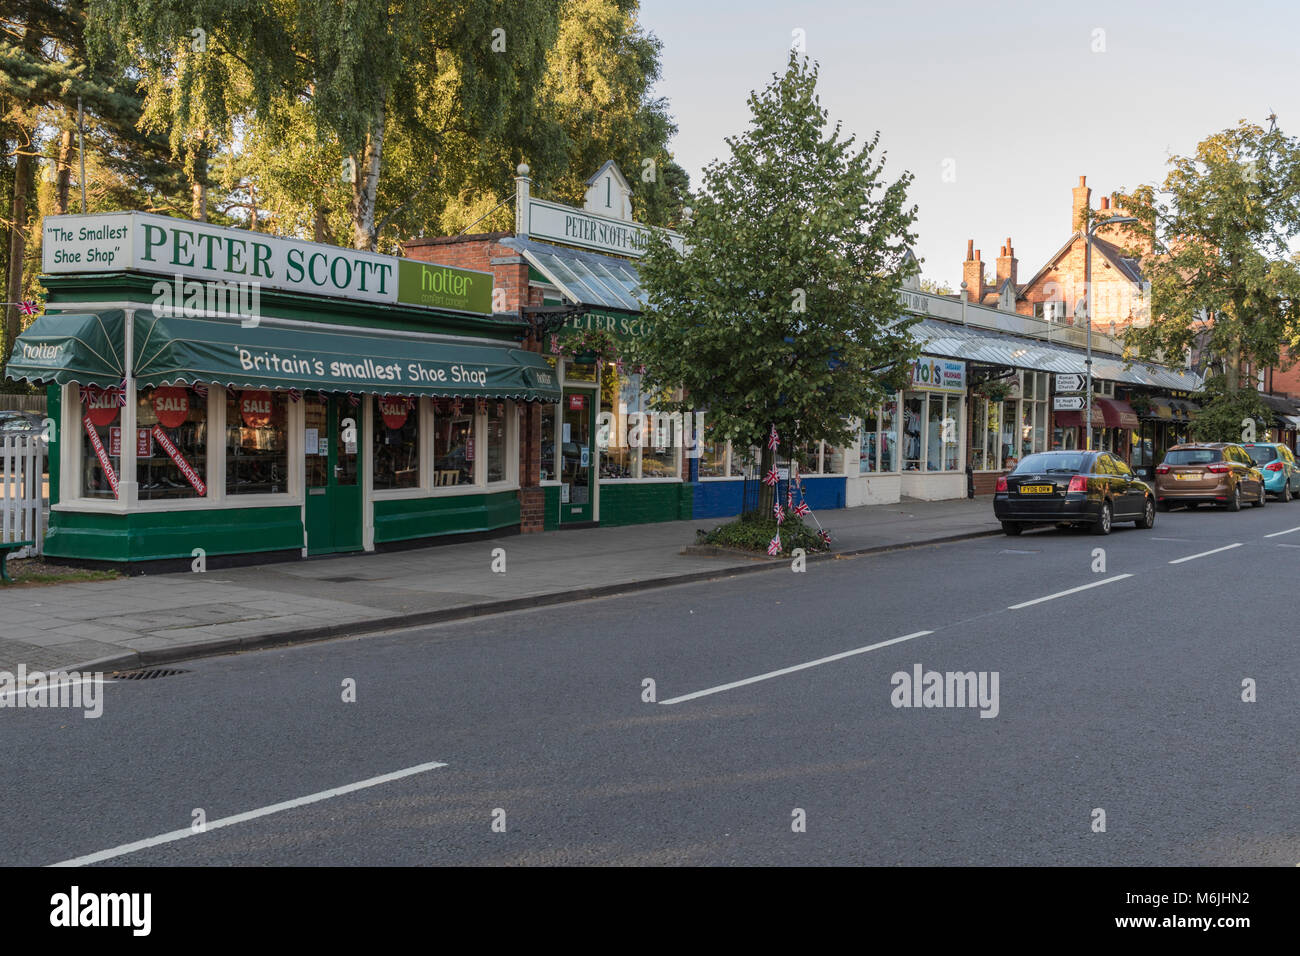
{"x":255,"y":408}
{"x":171,"y":405}
{"x":394,"y":410}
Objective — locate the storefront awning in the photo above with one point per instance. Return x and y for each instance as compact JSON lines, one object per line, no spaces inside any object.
{"x":84,"y":348}
{"x":1118,"y":414}
{"x":171,"y":350}
{"x":1076,"y":420}
{"x":586,"y":278}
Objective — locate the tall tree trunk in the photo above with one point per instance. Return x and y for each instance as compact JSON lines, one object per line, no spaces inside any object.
{"x":199,"y":186}
{"x":17,"y":249}
{"x":320,"y":226}
{"x":1232,"y":362}
{"x":766,"y":492}
{"x":366,"y":187}
{"x":64,"y":180}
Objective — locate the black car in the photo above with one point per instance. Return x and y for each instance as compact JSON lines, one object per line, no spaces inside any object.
{"x":1089,"y":488}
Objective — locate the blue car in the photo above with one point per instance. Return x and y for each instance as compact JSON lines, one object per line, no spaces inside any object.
{"x":1277,"y":463}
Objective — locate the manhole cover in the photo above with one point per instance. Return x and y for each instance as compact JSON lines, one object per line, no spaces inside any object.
{"x":149,"y":674}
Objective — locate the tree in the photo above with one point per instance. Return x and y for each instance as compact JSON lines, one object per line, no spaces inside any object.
{"x":1220,"y":227}
{"x":782,"y":310}
{"x":936,"y":287}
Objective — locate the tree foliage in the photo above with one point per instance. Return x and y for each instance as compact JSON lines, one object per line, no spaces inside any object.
{"x":782,"y":310}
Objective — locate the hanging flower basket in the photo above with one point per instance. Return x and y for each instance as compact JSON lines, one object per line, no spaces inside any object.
{"x":589,"y":347}
{"x":994,"y":391}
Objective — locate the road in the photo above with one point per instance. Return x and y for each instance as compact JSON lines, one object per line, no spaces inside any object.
{"x":1124,"y":697}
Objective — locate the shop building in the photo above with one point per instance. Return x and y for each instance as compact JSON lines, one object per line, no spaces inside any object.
{"x":221,"y":393}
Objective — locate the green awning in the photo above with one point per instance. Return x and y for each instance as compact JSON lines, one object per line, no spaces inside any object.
{"x":82,"y":348}
{"x":173,"y":350}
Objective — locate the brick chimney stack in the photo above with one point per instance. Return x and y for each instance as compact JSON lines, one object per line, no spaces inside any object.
{"x":1082,"y":203}
{"x":972,"y":273}
{"x":1007,"y":265}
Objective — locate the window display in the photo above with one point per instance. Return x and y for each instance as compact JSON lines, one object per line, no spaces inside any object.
{"x":396,"y":442}
{"x":453,"y":446}
{"x":171,"y":442}
{"x":101,"y":441}
{"x":496,"y":441}
{"x":257,"y":442}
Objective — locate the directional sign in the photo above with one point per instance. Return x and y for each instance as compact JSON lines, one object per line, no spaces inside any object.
{"x":1069,"y":383}
{"x":1067,"y":403}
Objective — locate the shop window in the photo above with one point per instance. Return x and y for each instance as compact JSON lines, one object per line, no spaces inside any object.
{"x":101,"y":442}
{"x":257,"y":442}
{"x":913,"y":421}
{"x":620,"y":392}
{"x":742,"y":461}
{"x":171,"y":455}
{"x":453,"y":445}
{"x":396,"y":443}
{"x":548,"y":442}
{"x":496,"y":440}
{"x":868,"y":450}
{"x":713,"y":458}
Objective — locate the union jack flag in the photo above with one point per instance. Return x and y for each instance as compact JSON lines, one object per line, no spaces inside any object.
{"x":789,"y":496}
{"x":28,"y":306}
{"x":456,"y":406}
{"x":555,"y":345}
{"x":825,"y":536}
{"x":200,"y":389}
{"x":772,"y":440}
{"x":778,"y":512}
{"x":802,"y":511}
{"x":480,"y":404}
{"x":295,"y":395}
{"x":772,"y":476}
{"x":774,"y":546}
{"x":121,"y":394}
{"x":353,"y":400}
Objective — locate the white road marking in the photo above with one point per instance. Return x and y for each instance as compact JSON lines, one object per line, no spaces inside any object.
{"x":1278,"y":534}
{"x":174,"y":835}
{"x":797,"y":667}
{"x":1193,"y":557}
{"x":1059,"y":594}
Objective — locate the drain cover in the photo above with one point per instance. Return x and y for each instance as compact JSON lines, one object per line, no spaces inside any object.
{"x":148,"y":674}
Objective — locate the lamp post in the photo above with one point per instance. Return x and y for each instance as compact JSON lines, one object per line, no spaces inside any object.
{"x":1087,"y":291}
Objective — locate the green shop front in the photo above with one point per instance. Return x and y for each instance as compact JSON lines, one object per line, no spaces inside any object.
{"x":219,"y":393}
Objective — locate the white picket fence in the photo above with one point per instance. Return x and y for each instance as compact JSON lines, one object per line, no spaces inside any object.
{"x":22,"y":485}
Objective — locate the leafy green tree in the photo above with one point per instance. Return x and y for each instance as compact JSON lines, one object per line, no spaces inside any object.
{"x":1219,"y":229}
{"x":782,"y":310}
{"x":1225,"y":412}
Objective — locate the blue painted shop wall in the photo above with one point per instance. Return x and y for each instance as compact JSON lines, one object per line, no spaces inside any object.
{"x":721,"y":499}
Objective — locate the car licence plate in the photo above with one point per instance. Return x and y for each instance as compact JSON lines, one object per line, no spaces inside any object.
{"x":1037,"y":489}
{"x":1189,"y":476}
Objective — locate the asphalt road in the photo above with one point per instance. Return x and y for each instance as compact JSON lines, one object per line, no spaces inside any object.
{"x":1124,"y":697}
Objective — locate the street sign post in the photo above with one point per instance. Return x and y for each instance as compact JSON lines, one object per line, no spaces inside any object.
{"x":1069,"y":383}
{"x":1067,"y":403}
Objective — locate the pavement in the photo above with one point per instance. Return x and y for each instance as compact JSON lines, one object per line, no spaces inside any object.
{"x":150,"y":620}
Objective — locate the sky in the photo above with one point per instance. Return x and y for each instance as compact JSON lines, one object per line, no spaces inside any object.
{"x":1012,"y":100}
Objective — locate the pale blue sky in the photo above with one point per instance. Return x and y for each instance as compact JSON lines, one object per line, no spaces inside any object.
{"x":1010,"y":91}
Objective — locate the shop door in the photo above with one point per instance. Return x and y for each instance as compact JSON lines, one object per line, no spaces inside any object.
{"x":576,"y":458}
{"x":331,"y":437}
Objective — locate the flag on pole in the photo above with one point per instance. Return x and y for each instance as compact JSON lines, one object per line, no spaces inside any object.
{"x":121,"y":394}
{"x":200,"y":389}
{"x":28,"y":307}
{"x":295,"y":395}
{"x":825,"y":536}
{"x":772,"y":440}
{"x":778,"y":512}
{"x":802,"y":510}
{"x":772,"y":476}
{"x":774,"y":546}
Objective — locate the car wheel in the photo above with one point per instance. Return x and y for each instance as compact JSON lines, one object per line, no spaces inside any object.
{"x":1262,"y":499}
{"x":1104,"y":520}
{"x":1286,"y":491}
{"x":1012,"y":527}
{"x":1234,"y":502}
{"x":1148,"y":519}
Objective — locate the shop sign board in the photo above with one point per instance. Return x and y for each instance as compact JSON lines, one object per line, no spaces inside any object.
{"x":577,"y":227}
{"x":144,"y":242}
{"x":939,"y":375}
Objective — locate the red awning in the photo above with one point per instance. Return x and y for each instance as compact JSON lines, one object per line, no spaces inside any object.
{"x":1118,"y":414}
{"x":1075,"y":419}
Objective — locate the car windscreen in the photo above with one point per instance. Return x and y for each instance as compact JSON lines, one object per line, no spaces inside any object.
{"x":1193,"y":456}
{"x":1261,"y":454}
{"x":1052,"y":461}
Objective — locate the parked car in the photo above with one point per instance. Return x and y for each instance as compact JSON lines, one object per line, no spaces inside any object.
{"x":1091,"y":488}
{"x":20,"y":423}
{"x":1277,"y":463}
{"x":1215,"y":472}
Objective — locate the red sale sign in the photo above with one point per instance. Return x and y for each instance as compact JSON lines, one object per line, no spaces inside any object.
{"x":101,"y":405}
{"x":394,"y":410}
{"x":172,"y":405}
{"x":577,"y":402}
{"x":255,"y":408}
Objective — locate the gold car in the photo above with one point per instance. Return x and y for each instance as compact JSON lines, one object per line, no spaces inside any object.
{"x":1213,"y":472}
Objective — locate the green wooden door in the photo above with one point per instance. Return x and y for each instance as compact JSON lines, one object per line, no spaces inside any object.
{"x":332,"y":439}
{"x":577,"y":458}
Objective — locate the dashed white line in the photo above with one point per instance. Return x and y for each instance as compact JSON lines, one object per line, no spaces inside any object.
{"x":174,"y":835}
{"x":1203,"y":554}
{"x":1060,"y":594}
{"x":1278,"y":534}
{"x":797,"y":667}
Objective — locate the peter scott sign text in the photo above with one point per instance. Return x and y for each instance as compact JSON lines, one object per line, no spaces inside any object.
{"x":159,"y":244}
